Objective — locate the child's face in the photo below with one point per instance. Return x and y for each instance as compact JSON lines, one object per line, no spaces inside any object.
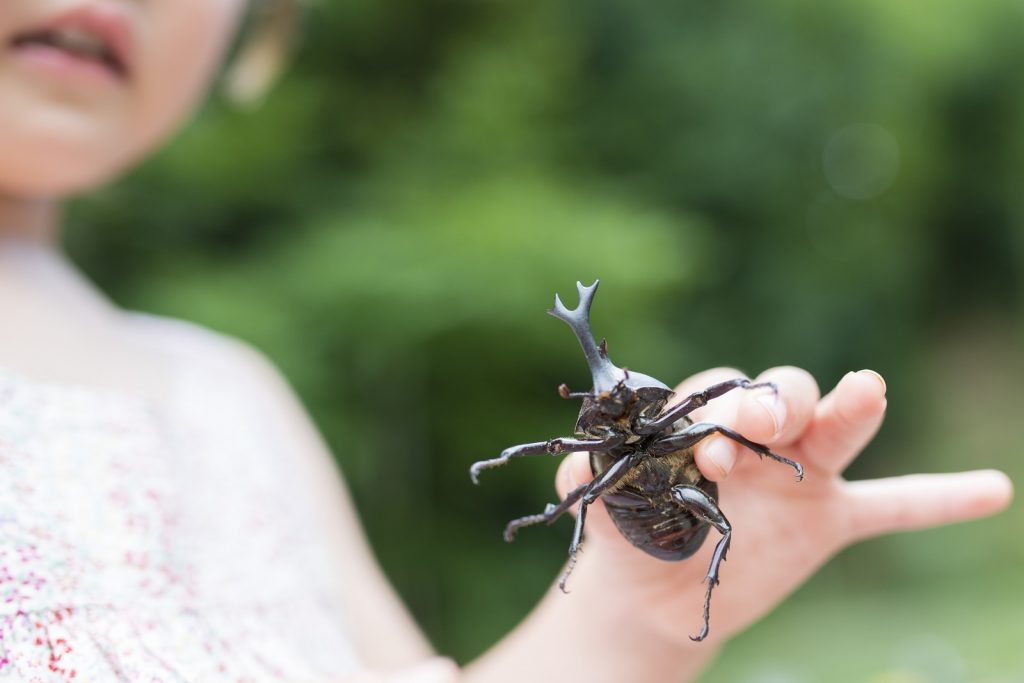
{"x":87,"y":87}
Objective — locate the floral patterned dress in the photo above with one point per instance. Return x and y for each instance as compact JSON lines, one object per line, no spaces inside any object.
{"x":159,"y":542}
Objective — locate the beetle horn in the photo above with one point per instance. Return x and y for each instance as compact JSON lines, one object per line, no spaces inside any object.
{"x":605,"y":374}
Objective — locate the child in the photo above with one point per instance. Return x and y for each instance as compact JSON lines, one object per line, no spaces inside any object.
{"x":167,"y":512}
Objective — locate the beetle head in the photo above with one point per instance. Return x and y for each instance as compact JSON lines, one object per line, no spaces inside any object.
{"x":616,"y":391}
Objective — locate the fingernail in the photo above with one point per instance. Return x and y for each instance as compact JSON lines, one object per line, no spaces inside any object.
{"x":874,"y":374}
{"x":776,"y":410}
{"x":722,"y":455}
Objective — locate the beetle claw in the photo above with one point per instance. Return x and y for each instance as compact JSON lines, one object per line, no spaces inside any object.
{"x":748,"y":385}
{"x":711,"y":583}
{"x":474,"y":471}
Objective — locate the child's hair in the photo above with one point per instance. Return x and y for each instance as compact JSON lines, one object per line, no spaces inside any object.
{"x":269,"y":34}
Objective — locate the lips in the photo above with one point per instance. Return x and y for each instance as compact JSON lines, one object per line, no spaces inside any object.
{"x":97,"y":33}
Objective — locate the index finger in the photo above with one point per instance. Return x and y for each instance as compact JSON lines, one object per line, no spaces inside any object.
{"x":917,"y":501}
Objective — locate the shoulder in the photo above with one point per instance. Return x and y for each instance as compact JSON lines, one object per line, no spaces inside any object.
{"x":194,"y":346}
{"x":232,"y":372}
{"x":189,"y":340}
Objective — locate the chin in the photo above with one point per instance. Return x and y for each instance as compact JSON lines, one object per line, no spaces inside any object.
{"x":50,"y":178}
{"x":53,"y":154}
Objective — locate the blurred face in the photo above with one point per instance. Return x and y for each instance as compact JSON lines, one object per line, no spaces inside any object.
{"x":87,"y":87}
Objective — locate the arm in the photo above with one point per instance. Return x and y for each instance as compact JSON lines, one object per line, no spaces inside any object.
{"x":629,"y":615}
{"x":385,"y":634}
{"x":594,"y":635}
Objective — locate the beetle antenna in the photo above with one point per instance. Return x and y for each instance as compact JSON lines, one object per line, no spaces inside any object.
{"x":563,"y":391}
{"x":604,"y":372}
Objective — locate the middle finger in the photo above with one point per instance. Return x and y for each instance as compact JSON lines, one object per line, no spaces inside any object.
{"x":760,"y":415}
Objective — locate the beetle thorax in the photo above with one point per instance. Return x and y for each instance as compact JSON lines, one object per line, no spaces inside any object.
{"x":620,"y":409}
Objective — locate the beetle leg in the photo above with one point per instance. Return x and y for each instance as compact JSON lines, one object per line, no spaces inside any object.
{"x":550,"y":514}
{"x":594,"y":489}
{"x":699,"y":399}
{"x":552,"y":447}
{"x":703,"y":507}
{"x":701,"y":430}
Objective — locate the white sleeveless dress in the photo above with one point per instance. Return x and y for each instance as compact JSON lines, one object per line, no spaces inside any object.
{"x":170,"y":542}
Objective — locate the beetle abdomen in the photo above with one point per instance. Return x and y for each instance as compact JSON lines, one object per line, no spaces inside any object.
{"x":643,"y":509}
{"x":659,"y":529}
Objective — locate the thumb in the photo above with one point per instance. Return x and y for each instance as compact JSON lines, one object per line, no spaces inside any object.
{"x":573,"y":471}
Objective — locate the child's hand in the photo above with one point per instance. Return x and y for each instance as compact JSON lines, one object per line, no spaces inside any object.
{"x":783,"y":530}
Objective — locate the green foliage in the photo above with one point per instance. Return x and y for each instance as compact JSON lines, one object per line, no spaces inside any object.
{"x":832,"y":185}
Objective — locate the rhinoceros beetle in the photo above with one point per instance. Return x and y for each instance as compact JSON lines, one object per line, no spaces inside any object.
{"x":641,"y":453}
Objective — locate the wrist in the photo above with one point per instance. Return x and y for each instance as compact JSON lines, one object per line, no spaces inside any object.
{"x":627,"y":590}
{"x":605,"y":629}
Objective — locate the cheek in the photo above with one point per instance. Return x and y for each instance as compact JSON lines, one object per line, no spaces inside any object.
{"x":187,"y":42}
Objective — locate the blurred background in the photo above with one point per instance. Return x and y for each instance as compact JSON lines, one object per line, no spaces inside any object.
{"x":831,"y":185}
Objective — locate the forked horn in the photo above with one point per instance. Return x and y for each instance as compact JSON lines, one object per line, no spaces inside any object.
{"x":605,"y":374}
